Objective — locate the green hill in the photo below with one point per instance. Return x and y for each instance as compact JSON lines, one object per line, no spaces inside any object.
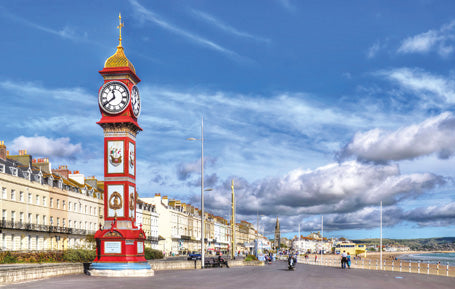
{"x":424,"y":244}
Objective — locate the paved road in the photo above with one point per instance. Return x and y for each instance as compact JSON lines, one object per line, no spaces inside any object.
{"x":275,"y":276}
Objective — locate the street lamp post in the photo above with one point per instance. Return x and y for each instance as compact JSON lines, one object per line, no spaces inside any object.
{"x":202,"y":194}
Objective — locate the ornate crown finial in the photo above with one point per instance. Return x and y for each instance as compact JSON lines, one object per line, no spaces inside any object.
{"x":120,"y":25}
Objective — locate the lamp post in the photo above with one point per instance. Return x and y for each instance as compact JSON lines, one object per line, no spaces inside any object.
{"x":380,"y":240}
{"x":202,"y":193}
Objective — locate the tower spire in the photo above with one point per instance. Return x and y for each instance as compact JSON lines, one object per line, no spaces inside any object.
{"x":120,"y":25}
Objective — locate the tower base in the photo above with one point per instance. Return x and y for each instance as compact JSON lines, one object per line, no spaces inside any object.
{"x":142,"y":269}
{"x":120,"y":253}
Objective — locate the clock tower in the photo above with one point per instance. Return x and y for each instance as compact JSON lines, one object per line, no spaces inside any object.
{"x":120,"y":242}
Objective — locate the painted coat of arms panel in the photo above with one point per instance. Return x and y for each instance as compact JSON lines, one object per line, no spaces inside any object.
{"x":131,"y":158}
{"x":115,"y":157}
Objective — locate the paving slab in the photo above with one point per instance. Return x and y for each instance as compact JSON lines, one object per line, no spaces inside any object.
{"x":274,"y":276}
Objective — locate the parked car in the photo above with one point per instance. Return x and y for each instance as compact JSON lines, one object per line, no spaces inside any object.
{"x":194,"y":256}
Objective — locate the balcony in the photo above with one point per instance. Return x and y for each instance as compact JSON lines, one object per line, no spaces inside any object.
{"x":152,"y":239}
{"x":175,"y":236}
{"x":43,"y":228}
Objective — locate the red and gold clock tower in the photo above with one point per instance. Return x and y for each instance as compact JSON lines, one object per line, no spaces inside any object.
{"x":120,"y":244}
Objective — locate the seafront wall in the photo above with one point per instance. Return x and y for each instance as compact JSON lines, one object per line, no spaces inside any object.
{"x":159,"y":265}
{"x":372,"y":262}
{"x":15,"y":273}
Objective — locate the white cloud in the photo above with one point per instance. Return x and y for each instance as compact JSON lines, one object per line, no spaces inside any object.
{"x":333,"y":189}
{"x":35,"y":91}
{"x":70,"y":123}
{"x":434,"y":135}
{"x":148,"y":15}
{"x":374,"y":49}
{"x":441,"y":41}
{"x":424,"y":84}
{"x":66,"y":32}
{"x":441,"y":215}
{"x":286,"y":4}
{"x":225,"y":27}
{"x":46,"y":147}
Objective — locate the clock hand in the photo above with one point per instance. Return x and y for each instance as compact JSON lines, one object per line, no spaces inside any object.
{"x":112,"y":98}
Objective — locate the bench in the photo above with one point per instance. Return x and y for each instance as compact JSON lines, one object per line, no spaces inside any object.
{"x":215,"y":263}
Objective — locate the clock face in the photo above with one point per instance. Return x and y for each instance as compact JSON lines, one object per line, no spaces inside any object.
{"x":114,"y":97}
{"x":135,"y":101}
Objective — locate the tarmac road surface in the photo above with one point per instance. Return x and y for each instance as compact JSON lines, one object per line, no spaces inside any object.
{"x":274,"y":276}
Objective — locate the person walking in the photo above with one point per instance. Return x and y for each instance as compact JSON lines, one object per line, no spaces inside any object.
{"x":343,"y":260}
{"x":348,"y":260}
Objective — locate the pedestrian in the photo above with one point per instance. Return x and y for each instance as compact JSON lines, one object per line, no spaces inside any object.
{"x":343,"y":260}
{"x":315,"y":258}
{"x":348,"y":260}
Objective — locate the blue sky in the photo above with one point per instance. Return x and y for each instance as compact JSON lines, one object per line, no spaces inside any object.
{"x":314,"y":108}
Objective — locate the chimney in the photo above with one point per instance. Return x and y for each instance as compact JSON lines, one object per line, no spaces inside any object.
{"x":78,"y":177}
{"x":62,"y":171}
{"x":43,"y":164}
{"x":3,"y":151}
{"x":92,"y":182}
{"x":165,"y":201}
{"x":22,"y":157}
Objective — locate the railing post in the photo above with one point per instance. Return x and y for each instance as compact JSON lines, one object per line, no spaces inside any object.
{"x":393,"y":263}
{"x":409,"y":266}
{"x":376,"y":264}
{"x":447,"y":270}
{"x":418,"y":270}
{"x":400,"y":266}
{"x":428,"y":269}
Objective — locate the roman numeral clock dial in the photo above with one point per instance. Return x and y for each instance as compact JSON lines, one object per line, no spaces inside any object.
{"x":114,"y":97}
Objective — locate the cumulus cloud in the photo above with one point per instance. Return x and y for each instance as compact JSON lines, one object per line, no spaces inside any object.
{"x":441,"y":41}
{"x":365,"y":218}
{"x":185,"y":170}
{"x":432,"y":136}
{"x":46,"y":147}
{"x":442,"y":215}
{"x":343,"y":188}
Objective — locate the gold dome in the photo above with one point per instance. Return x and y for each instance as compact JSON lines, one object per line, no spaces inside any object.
{"x":119,"y":60}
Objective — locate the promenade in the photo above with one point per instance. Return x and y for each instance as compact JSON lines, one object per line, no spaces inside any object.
{"x":274,"y":276}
